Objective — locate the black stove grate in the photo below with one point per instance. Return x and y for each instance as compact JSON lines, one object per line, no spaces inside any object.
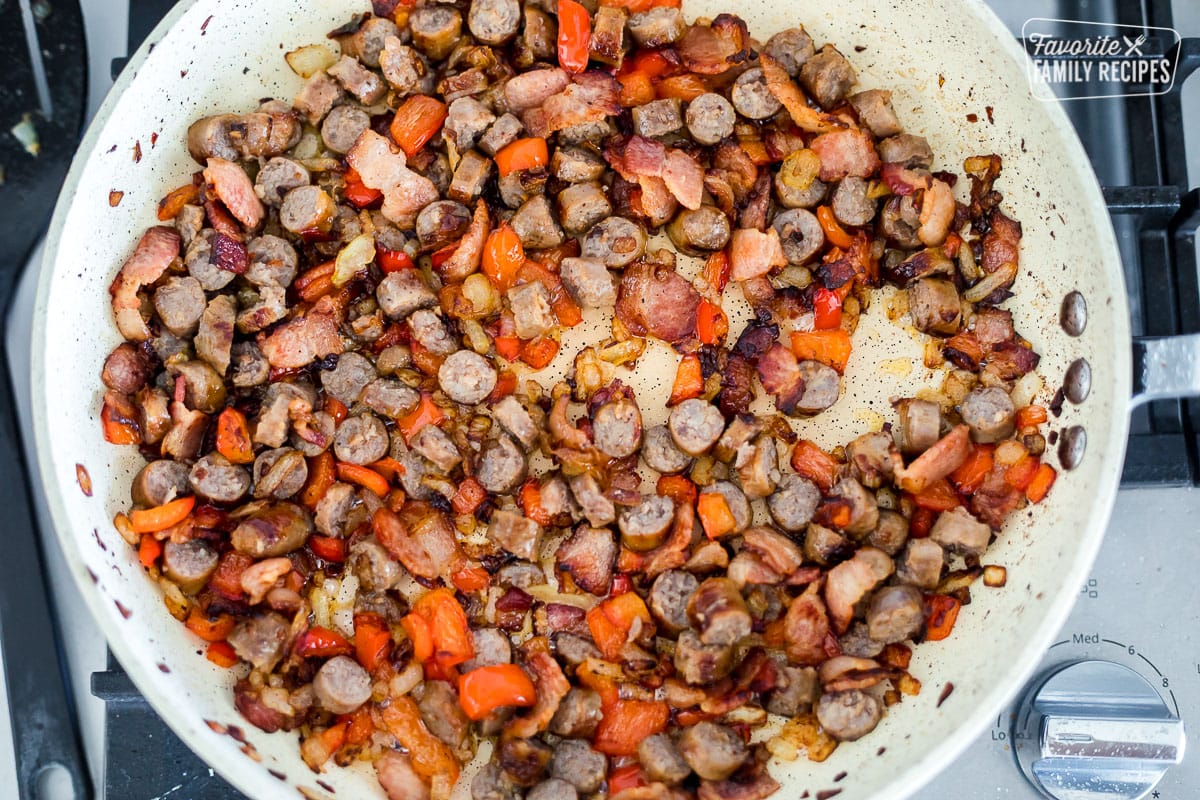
{"x":1143,"y":168}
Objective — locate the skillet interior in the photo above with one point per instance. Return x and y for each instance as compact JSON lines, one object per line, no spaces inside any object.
{"x":212,"y":56}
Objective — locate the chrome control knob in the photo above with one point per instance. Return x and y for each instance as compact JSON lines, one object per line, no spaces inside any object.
{"x":1095,"y":730}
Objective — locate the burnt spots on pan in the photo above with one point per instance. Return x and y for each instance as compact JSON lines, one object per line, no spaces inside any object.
{"x":114,"y":198}
{"x":825,"y":794}
{"x":163,"y":668}
{"x":125,"y":612}
{"x":99,"y":541}
{"x":137,"y":152}
{"x":1071,"y":446}
{"x":277,"y":775}
{"x":1073,"y":314}
{"x":1056,"y":402}
{"x":947,"y":690}
{"x":326,"y":787}
{"x":215,"y":726}
{"x":1077,"y":384}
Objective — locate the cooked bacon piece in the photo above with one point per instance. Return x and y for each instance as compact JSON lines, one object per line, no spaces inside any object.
{"x":301,"y":341}
{"x":935,"y":463}
{"x":851,"y":581}
{"x":713,"y":49}
{"x":778,"y":551}
{"x":393,"y":534}
{"x":845,"y":153}
{"x":552,"y":686}
{"x":235,"y":189}
{"x":780,"y":374}
{"x":995,"y":499}
{"x":806,"y":628}
{"x":591,"y":97}
{"x":155,"y":251}
{"x":655,"y":299}
{"x":684,"y":177}
{"x":532,"y":89}
{"x":382,"y":167}
{"x":754,"y":253}
{"x":467,"y":255}
{"x":787,"y":92}
{"x":588,"y":557}
{"x":1001,"y":244}
{"x":674,"y":551}
{"x":658,"y":204}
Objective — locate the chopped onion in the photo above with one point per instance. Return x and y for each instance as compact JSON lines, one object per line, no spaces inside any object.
{"x":800,"y":169}
{"x":407,"y":680}
{"x":994,"y":576}
{"x":342,"y":614}
{"x":309,"y":60}
{"x":997,"y":280}
{"x":481,"y":293}
{"x":1026,"y":389}
{"x":353,"y":259}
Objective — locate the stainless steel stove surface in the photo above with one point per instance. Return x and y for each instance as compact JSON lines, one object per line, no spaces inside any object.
{"x":1140,"y":608}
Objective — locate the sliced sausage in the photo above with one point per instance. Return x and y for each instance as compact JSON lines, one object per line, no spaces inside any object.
{"x":794,"y":502}
{"x":697,"y":232}
{"x":492,"y":647}
{"x":908,"y":150}
{"x":341,"y":685}
{"x":657,"y":27}
{"x":582,"y":205}
{"x":935,"y":307}
{"x":435,"y":29}
{"x":989,"y":413}
{"x":900,"y":220}
{"x":436,"y":447}
{"x":800,"y":234}
{"x":270,"y":307}
{"x":368,"y":41}
{"x":874,"y":109}
{"x":870,"y":458}
{"x":710,"y":118}
{"x":660,"y":758}
{"x":403,"y":67}
{"x":615,"y":241}
{"x":126,"y":369}
{"x":790,"y":197}
{"x":333,"y":509}
{"x":848,"y":715}
{"x":645,"y":526}
{"x":280,"y":175}
{"x":179,"y":303}
{"x":919,"y":425}
{"x":553,"y":789}
{"x":822,"y":385}
{"x":438,"y":705}
{"x":921,"y":564}
{"x":864,"y":513}
{"x":515,"y":419}
{"x":891,"y":532}
{"x":535,"y":224}
{"x":215,"y":479}
{"x":273,"y":262}
{"x":260,"y":640}
{"x":617,"y":427}
{"x":431,"y":332}
{"x":895,"y":613}
{"x":516,"y":533}
{"x":274,"y":530}
{"x":532,"y":314}
{"x":850,"y":203}
{"x":657,"y":118}
{"x":695,"y":426}
{"x":490,"y":783}
{"x":442,"y":223}
{"x":402,"y":292}
{"x":739,"y":506}
{"x":342,"y":127}
{"x":470,"y":177}
{"x":579,"y":765}
{"x":359,"y":81}
{"x":588,"y":556}
{"x":714,"y":752}
{"x":361,"y":439}
{"x":791,"y":48}
{"x":160,"y":482}
{"x":718,"y":611}
{"x":346,"y":381}
{"x":494,"y":22}
{"x":578,"y":714}
{"x":796,"y":689}
{"x":660,"y":452}
{"x":539,"y":38}
{"x":668,"y":599}
{"x":698,"y":663}
{"x":758,"y":467}
{"x":318,"y":95}
{"x":576,"y":165}
{"x":504,"y":131}
{"x":279,"y":473}
{"x":250,"y":366}
{"x":825,"y":546}
{"x":752,"y":98}
{"x":588,"y":281}
{"x":502,"y":466}
{"x":190,"y":564}
{"x":594,"y":504}
{"x":315,"y":435}
{"x":959,"y":532}
{"x":828,"y":76}
{"x":607,"y":43}
{"x":466,"y":120}
{"x":307,"y":209}
{"x":467,"y":377}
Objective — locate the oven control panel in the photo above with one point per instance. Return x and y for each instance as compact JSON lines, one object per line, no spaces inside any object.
{"x":1109,"y":710}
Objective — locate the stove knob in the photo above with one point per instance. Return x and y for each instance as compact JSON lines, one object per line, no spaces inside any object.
{"x":1093,"y":730}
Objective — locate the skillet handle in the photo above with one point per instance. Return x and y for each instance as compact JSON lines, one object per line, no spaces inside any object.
{"x":43,"y":728}
{"x":1166,"y":367}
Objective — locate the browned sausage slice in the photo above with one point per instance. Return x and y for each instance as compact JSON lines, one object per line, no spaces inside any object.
{"x":710,"y":118}
{"x":361,"y":439}
{"x":695,"y":426}
{"x":713,"y":751}
{"x":502,"y":466}
{"x":751,"y":97}
{"x":494,"y":22}
{"x":126,"y":369}
{"x":896,"y":613}
{"x":307,"y":209}
{"x":718,"y":611}
{"x":989,"y":413}
{"x":341,"y":685}
{"x":617,"y":427}
{"x":179,"y":304}
{"x":669,"y":596}
{"x":660,"y":452}
{"x":615,"y":242}
{"x":275,"y":530}
{"x":467,"y":377}
{"x":800,"y":234}
{"x":215,"y":479}
{"x":848,"y":715}
{"x":160,"y":482}
{"x":435,"y":29}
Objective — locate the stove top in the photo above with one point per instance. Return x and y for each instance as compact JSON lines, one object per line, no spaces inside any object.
{"x":1123,"y":615}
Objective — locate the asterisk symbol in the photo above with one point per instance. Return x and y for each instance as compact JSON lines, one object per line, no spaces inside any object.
{"x":1154,"y":793}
